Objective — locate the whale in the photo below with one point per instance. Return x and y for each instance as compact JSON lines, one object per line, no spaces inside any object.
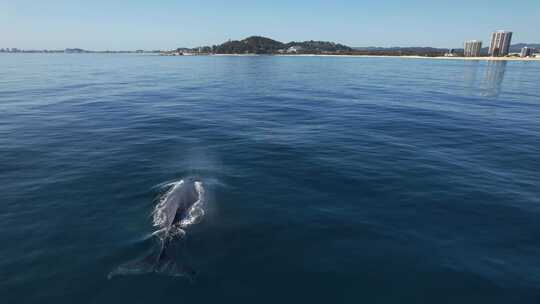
{"x":177,"y":209}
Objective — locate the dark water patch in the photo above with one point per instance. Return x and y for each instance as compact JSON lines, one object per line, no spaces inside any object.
{"x":332,"y":179}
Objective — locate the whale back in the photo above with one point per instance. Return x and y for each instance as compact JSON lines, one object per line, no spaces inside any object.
{"x":175,"y":204}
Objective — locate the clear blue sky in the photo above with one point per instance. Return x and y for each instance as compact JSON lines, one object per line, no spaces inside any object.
{"x":166,"y":24}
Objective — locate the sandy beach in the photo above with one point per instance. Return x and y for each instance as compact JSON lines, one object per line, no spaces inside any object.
{"x":421,"y":57}
{"x":488,"y":58}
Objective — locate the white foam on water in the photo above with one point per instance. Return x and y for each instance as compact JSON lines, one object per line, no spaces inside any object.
{"x":159,"y":215}
{"x":193,"y":215}
{"x":196,"y":211}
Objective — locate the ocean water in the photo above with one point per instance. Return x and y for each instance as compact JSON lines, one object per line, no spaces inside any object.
{"x":328,"y":180}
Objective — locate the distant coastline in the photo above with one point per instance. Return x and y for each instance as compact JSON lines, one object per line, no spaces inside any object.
{"x":486,"y":58}
{"x":258,"y":45}
{"x":153,"y":53}
{"x":73,"y":51}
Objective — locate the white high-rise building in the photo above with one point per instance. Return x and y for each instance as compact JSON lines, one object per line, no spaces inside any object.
{"x":526,"y":52}
{"x":472,"y":48}
{"x":500,"y":43}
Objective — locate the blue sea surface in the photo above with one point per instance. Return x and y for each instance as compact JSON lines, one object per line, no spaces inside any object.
{"x":328,"y":179}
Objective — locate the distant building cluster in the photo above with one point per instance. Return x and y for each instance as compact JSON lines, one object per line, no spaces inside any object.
{"x":295,"y":49}
{"x":71,"y":51}
{"x":8,"y":50}
{"x":498,"y":47}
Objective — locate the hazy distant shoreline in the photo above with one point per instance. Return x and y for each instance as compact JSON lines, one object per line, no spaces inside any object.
{"x":311,"y":55}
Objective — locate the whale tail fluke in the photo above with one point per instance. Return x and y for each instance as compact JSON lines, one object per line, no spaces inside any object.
{"x":154,"y":263}
{"x":135,"y":267}
{"x":168,"y":266}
